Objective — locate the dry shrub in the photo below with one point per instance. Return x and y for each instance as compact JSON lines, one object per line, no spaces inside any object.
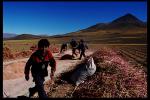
{"x":115,"y":78}
{"x":7,"y":54}
{"x":23,"y":54}
{"x":54,"y":49}
{"x":33,"y":48}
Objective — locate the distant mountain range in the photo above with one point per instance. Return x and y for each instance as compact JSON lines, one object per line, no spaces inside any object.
{"x":9,"y":35}
{"x":22,"y":36}
{"x":26,"y":36}
{"x":124,"y":29}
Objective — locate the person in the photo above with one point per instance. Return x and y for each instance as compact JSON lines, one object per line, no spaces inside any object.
{"x":63,"y":47}
{"x":82,"y":47}
{"x":78,"y":47}
{"x":39,"y":61}
{"x":73,"y":44}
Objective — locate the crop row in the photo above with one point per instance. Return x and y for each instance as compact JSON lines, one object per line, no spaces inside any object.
{"x":133,"y":57}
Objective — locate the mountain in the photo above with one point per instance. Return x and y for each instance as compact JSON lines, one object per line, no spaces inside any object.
{"x":125,"y":29}
{"x":96,"y":27}
{"x":9,"y":35}
{"x":25,"y":36}
{"x":127,"y":21}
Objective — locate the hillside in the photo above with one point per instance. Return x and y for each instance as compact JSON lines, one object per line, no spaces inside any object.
{"x":126,"y":29}
{"x":127,"y":21}
{"x":24,"y":36}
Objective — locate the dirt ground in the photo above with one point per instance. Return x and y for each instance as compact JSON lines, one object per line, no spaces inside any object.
{"x":116,"y":76}
{"x":14,"y":83}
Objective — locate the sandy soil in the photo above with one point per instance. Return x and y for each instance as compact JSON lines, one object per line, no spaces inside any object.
{"x":14,"y":83}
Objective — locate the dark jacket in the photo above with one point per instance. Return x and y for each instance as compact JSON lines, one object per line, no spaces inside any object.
{"x":37,"y":61}
{"x":82,"y":46}
{"x":73,"y":43}
{"x":64,"y":45}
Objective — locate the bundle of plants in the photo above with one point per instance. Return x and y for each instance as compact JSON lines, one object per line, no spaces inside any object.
{"x":23,"y":54}
{"x":66,"y":57}
{"x":54,"y":49}
{"x":7,"y":53}
{"x":33,"y":48}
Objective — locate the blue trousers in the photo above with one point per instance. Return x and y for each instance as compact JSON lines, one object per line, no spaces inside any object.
{"x":39,"y":86}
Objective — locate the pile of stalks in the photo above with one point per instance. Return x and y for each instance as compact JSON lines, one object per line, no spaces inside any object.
{"x":114,"y":78}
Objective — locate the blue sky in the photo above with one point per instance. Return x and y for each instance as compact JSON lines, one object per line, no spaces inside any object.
{"x":63,"y":17}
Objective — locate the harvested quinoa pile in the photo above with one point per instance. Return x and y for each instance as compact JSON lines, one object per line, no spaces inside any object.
{"x":115,"y":78}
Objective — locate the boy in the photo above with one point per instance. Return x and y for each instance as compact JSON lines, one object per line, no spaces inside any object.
{"x":39,"y":61}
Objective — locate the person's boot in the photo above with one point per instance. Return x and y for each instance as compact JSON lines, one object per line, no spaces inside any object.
{"x":32,"y":91}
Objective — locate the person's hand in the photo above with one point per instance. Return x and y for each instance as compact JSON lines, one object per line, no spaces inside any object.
{"x":27,"y":77}
{"x":52,"y":76}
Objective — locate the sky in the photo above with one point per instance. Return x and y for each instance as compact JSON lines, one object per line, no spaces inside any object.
{"x":54,"y":18}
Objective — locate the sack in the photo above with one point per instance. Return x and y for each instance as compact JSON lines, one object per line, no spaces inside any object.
{"x":81,"y":73}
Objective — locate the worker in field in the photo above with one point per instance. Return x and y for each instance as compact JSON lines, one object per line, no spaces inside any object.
{"x":39,"y":62}
{"x":63,"y":47}
{"x":74,"y":45}
{"x":78,"y":47}
{"x":82,"y":47}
